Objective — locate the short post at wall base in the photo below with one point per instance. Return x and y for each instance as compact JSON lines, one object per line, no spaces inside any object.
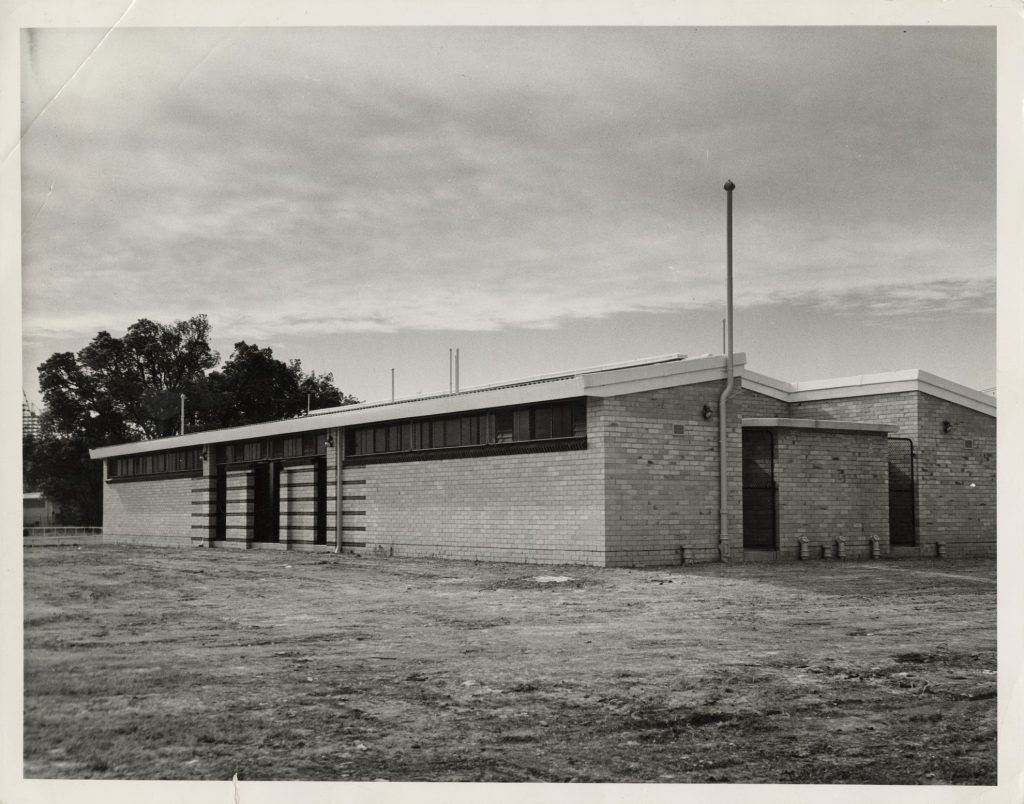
{"x":805,"y":552}
{"x":876,"y":546}
{"x":841,"y":547}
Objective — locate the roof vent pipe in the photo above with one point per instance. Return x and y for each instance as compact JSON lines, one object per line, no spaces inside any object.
{"x":723,"y":465}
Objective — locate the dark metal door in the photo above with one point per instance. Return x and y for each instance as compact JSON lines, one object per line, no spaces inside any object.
{"x":320,"y":475}
{"x":758,"y":490}
{"x":902,"y":530}
{"x":221,"y":504}
{"x":266,"y":501}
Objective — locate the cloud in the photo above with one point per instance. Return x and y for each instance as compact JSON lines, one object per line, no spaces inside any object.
{"x":383,"y":180}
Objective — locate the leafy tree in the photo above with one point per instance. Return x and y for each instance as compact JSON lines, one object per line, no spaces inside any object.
{"x":62,"y":470}
{"x":254,"y":386}
{"x":319,"y":388}
{"x":117,"y":390}
{"x":123,"y":389}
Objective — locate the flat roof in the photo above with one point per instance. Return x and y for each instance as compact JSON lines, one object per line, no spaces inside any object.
{"x":616,"y":379}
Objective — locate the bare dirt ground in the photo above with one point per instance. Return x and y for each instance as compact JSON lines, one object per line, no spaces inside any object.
{"x":172,"y":664}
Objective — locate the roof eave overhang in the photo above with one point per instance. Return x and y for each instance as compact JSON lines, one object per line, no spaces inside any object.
{"x":893,"y":382}
{"x":780,"y":423}
{"x":548,"y":390}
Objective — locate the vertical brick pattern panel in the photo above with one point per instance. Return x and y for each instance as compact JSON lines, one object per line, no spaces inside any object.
{"x":332,"y":487}
{"x":298,"y":504}
{"x":239,"y":505}
{"x":155,"y":512}
{"x":950,"y":510}
{"x":204,"y":499}
{"x":831,"y":485}
{"x":538,"y":508}
{"x":204,"y":502}
{"x":353,"y":507}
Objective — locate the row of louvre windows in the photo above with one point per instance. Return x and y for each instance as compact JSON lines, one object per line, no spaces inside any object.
{"x":502,"y":426}
{"x":156,"y":463}
{"x":264,"y":449}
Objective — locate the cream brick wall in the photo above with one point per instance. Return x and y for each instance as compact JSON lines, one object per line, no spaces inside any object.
{"x":662,"y":471}
{"x":831,"y":485}
{"x":155,"y":512}
{"x":900,"y":410}
{"x":646,"y":486}
{"x":538,"y":507}
{"x":948,"y":509}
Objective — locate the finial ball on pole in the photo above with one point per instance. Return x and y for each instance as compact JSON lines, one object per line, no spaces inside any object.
{"x":729,"y":186}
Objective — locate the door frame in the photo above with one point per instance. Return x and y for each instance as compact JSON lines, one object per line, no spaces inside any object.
{"x":758,"y":489}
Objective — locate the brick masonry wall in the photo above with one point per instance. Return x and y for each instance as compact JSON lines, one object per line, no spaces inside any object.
{"x":204,"y":501}
{"x":662,"y":471}
{"x":899,"y":410}
{"x":239,"y":507}
{"x":539,"y":508}
{"x":949,"y":509}
{"x":831,"y":485}
{"x":156,"y":512}
{"x":298,"y":504}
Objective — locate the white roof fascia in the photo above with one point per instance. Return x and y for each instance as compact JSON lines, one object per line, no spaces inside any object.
{"x":664,"y":375}
{"x":768,"y":386}
{"x":613,"y":380}
{"x":955,"y":392}
{"x":894,"y":382}
{"x":818,"y":424}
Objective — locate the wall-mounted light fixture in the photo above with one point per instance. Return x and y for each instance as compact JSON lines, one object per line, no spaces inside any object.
{"x":947,"y":426}
{"x":330,"y":440}
{"x":707,"y":412}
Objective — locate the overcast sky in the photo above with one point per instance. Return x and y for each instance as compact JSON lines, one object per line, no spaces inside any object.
{"x":542,"y":198}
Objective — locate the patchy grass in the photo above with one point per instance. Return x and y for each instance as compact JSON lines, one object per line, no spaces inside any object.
{"x":154,"y":663}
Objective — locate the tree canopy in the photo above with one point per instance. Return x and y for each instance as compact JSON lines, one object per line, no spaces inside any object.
{"x":125,"y":389}
{"x":116,"y":390}
{"x":254,"y":387}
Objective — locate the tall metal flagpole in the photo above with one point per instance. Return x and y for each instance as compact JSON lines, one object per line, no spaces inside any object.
{"x":723,"y":473}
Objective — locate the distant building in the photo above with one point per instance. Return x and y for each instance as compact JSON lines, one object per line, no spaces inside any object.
{"x":29,"y":420}
{"x":39,"y":512}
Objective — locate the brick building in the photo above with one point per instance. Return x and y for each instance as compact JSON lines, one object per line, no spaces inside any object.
{"x":615,"y":466}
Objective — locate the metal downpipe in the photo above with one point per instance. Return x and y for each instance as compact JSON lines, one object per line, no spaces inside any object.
{"x":723,"y":458}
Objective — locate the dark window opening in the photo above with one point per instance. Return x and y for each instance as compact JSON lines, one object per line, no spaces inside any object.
{"x":177,"y":461}
{"x":560,"y":420}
